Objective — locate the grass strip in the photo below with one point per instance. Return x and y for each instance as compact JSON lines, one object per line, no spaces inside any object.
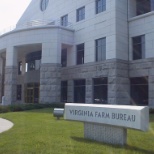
{"x":38,"y":132}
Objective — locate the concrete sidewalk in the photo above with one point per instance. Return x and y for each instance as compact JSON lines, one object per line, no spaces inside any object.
{"x":5,"y":125}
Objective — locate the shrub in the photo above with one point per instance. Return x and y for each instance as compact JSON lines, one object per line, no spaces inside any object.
{"x":23,"y":107}
{"x":4,"y":109}
{"x":151,"y":111}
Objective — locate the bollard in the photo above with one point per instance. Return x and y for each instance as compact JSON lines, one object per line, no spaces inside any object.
{"x":58,"y":112}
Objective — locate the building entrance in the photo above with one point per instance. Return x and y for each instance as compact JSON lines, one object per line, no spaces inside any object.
{"x":32,"y":93}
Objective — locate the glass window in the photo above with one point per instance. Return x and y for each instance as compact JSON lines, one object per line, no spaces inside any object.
{"x":64,"y":20}
{"x":31,"y":66}
{"x":100,"y":90}
{"x":33,"y":61}
{"x":19,"y":92}
{"x":80,"y":14}
{"x":139,"y":90}
{"x":80,"y":54}
{"x":144,"y":6}
{"x":20,"y":68}
{"x":79,"y":91}
{"x":100,"y":6}
{"x":138,"y":47}
{"x":101,"y":49}
{"x":64,"y":57}
{"x":64,"y":91}
{"x":44,"y":4}
{"x":37,"y":64}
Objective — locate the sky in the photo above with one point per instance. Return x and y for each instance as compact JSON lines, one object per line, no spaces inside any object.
{"x":11,"y":11}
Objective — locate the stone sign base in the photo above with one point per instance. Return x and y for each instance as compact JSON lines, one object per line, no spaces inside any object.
{"x":105,"y":133}
{"x":108,"y":123}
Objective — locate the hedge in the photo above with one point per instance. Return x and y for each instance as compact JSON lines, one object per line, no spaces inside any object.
{"x":29,"y":106}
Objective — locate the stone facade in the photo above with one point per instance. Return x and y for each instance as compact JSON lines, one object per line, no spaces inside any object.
{"x":50,"y":83}
{"x":117,"y":24}
{"x":115,"y":70}
{"x":10,"y":85}
{"x":105,"y":133}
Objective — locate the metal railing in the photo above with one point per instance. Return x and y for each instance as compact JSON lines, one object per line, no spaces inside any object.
{"x":36,"y":23}
{"x":6,"y":30}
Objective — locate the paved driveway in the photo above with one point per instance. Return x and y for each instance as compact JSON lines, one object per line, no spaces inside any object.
{"x":5,"y":125}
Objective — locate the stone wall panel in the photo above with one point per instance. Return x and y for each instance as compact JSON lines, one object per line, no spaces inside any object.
{"x":115,"y":70}
{"x":10,"y":85}
{"x":50,"y":83}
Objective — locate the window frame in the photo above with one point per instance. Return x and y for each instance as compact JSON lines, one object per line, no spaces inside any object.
{"x":100,"y":56}
{"x":143,"y":7}
{"x":31,"y":59}
{"x":79,"y":52}
{"x":64,"y":57}
{"x":64,"y":20}
{"x":141,"y":53}
{"x":80,"y":14}
{"x":100,"y":7}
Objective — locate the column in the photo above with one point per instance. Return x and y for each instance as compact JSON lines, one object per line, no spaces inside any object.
{"x":118,"y":84}
{"x":118,"y":90}
{"x":50,"y":72}
{"x":10,"y":76}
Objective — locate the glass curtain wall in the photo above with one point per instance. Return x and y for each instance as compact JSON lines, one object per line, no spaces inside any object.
{"x":100,"y":90}
{"x":139,"y":90}
{"x":79,"y":91}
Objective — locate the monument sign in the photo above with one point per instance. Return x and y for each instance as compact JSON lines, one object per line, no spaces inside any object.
{"x":108,"y":123}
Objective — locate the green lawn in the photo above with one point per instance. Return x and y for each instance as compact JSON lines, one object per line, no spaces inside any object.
{"x":38,"y":132}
